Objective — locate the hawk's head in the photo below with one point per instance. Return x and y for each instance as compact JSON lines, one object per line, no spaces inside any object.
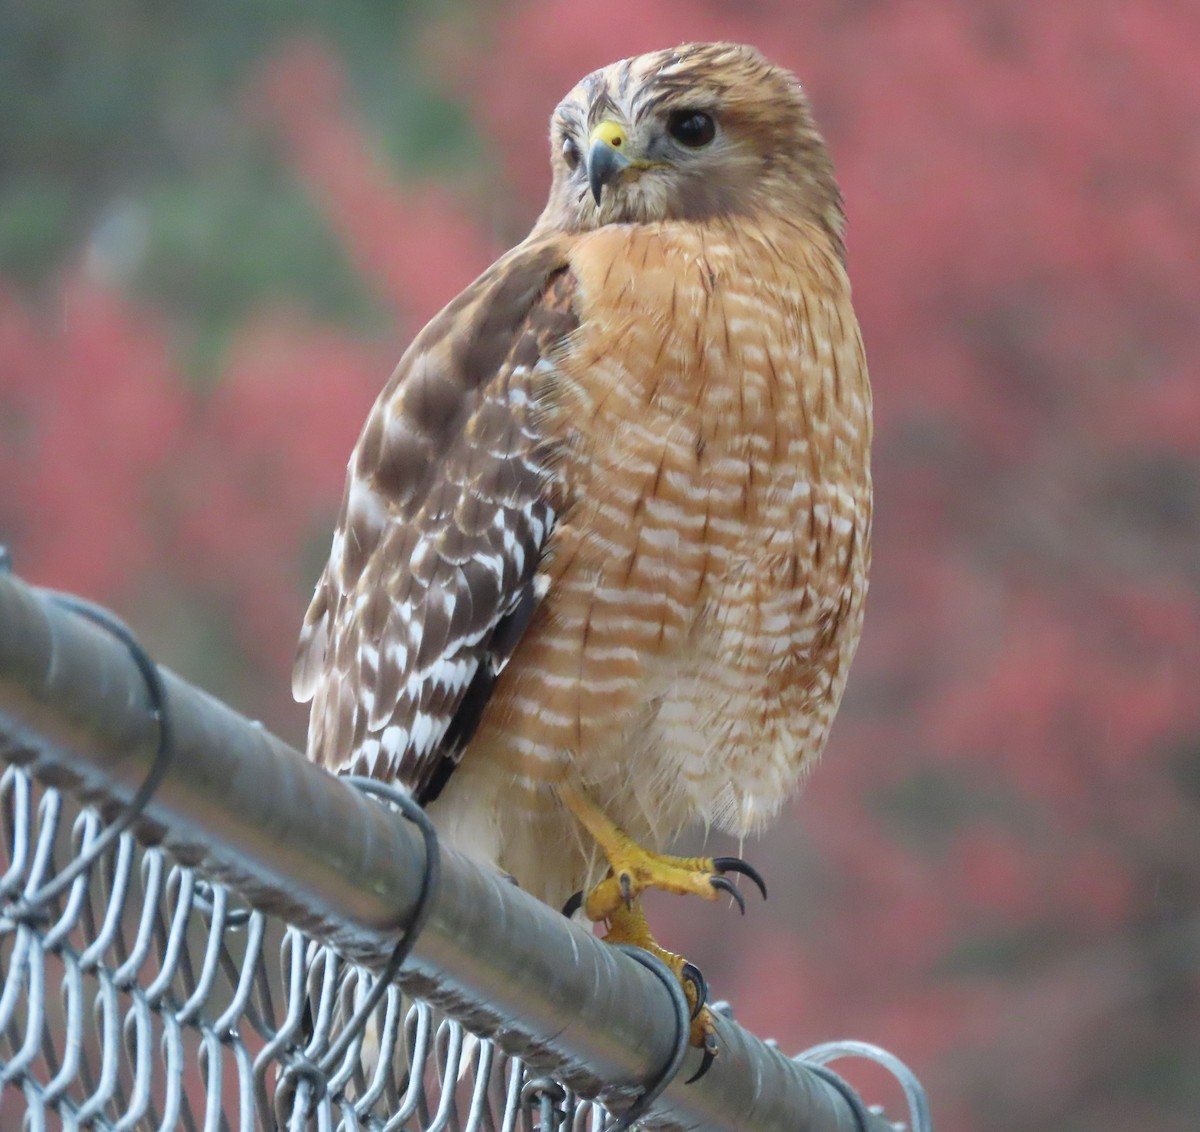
{"x":704,"y":130}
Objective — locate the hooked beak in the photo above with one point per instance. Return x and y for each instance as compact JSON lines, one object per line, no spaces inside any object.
{"x":606,"y":159}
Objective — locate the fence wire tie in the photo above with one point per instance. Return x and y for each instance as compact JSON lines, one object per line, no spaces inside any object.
{"x":550,"y":1098}
{"x":204,"y":899}
{"x":429,"y":885}
{"x":28,"y":908}
{"x":818,"y":1057}
{"x":683,"y":1030}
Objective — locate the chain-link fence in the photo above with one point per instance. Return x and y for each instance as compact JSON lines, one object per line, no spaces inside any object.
{"x":142,"y":996}
{"x":142,"y":992}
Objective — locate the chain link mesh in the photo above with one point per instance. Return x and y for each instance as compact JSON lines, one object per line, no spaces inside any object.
{"x":136,"y":995}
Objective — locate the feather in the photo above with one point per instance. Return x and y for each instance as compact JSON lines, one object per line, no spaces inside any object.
{"x":449,"y":502}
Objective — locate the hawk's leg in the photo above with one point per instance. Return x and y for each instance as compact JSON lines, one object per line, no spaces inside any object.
{"x":633,"y":869}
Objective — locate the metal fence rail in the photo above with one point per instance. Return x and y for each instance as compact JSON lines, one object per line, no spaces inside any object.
{"x":155,"y":844}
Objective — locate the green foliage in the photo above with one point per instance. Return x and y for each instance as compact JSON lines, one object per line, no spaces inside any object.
{"x":137,"y":109}
{"x":247,"y":234}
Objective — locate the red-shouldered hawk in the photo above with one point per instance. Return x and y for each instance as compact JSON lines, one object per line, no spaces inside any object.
{"x":602,"y":555}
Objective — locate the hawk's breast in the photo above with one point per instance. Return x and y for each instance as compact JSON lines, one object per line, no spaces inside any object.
{"x":707,"y":574}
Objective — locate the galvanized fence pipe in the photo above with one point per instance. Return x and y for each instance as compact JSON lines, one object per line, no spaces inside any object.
{"x":78,"y":708}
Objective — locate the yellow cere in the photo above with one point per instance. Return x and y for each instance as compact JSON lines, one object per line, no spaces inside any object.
{"x":611,"y":133}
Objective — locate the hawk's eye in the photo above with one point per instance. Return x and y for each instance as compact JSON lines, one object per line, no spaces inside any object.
{"x":570,"y":152}
{"x":692,"y":128}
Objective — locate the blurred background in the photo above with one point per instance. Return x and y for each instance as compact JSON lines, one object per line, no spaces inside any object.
{"x":221,"y":222}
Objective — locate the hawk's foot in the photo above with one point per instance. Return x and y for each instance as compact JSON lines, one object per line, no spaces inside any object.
{"x":628,"y":925}
{"x":633,"y":870}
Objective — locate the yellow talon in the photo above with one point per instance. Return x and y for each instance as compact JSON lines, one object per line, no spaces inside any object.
{"x":633,"y":869}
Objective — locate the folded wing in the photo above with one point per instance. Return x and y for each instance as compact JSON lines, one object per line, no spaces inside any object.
{"x":450,"y":498}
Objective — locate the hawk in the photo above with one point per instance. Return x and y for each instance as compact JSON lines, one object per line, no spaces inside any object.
{"x":602,"y":555}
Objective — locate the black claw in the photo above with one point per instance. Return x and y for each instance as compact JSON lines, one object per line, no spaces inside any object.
{"x":710,"y":1052}
{"x":627,"y":889}
{"x":573,"y":905}
{"x":690,"y":973}
{"x":727,"y":886}
{"x":737,"y":865}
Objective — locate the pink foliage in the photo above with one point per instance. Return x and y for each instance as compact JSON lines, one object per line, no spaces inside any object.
{"x":91,"y":414}
{"x":412,"y":242}
{"x":262,"y":459}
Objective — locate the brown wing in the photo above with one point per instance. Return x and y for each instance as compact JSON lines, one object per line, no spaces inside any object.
{"x":449,"y":500}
